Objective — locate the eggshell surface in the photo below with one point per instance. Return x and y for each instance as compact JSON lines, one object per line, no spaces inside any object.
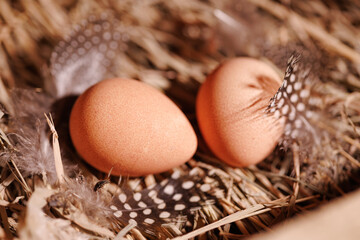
{"x":131,"y":128}
{"x":230,"y":109}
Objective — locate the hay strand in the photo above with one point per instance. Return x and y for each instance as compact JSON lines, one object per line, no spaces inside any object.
{"x":56,"y":148}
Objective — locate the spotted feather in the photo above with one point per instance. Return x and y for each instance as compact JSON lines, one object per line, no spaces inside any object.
{"x":295,"y":103}
{"x":173,"y":199}
{"x":85,"y":56}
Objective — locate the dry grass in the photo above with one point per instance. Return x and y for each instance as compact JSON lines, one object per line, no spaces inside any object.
{"x":173,"y":45}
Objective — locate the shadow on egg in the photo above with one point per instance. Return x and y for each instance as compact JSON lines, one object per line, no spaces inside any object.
{"x":260,"y":102}
{"x":255,"y":111}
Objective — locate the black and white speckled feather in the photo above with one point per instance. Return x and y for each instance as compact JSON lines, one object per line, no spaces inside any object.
{"x":84,"y":57}
{"x":178,"y":196}
{"x":296,"y":105}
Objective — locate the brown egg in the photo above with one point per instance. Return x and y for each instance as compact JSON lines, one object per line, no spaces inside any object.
{"x":230,"y":110}
{"x":131,"y":128}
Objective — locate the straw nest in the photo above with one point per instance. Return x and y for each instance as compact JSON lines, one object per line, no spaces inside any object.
{"x":173,"y":45}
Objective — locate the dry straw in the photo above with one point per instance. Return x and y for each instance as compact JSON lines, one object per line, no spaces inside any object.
{"x":47,"y":192}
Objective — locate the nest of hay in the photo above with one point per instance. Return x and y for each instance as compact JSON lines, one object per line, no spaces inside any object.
{"x":172,"y":45}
